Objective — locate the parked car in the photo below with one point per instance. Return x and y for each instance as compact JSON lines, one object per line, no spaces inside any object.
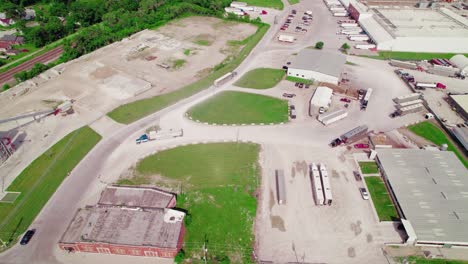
{"x":264,"y":12}
{"x":395,"y":114}
{"x":321,"y":110}
{"x":297,"y":84}
{"x":304,"y":30}
{"x":361,"y":146}
{"x":364,"y":193}
{"x":336,"y":142}
{"x":346,"y":100}
{"x":288,"y":95}
{"x":27,"y":236}
{"x":282,"y":28}
{"x":143,"y":138}
{"x":288,"y":63}
{"x":294,"y":11}
{"x":307,"y":86}
{"x":301,"y":85}
{"x":357,"y":176}
{"x":285,"y":67}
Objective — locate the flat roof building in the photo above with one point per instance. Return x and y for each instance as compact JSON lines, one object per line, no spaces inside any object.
{"x":322,"y":97}
{"x":127,"y":221}
{"x":430,"y":189}
{"x":317,"y":65}
{"x":415,"y":30}
{"x":461,"y":134}
{"x":460,"y":102}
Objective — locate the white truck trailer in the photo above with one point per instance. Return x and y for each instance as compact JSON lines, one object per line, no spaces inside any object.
{"x":337,"y":9}
{"x":327,"y":194}
{"x":331,"y":117}
{"x":358,"y":38}
{"x":408,"y":103}
{"x":348,"y":25}
{"x":426,"y":85}
{"x":286,"y":38}
{"x":410,"y":109}
{"x":365,"y":46}
{"x":366,"y":99}
{"x":317,"y":184}
{"x":404,"y":64}
{"x":340,"y":14}
{"x":407,"y":98}
{"x":352,"y":31}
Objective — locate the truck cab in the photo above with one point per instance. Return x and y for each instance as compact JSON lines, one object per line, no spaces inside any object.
{"x":143,"y":138}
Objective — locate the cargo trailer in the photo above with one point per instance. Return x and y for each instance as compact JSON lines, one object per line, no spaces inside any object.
{"x":354,"y":134}
{"x":404,"y":64}
{"x":358,"y":38}
{"x":365,"y":46}
{"x":280,"y":187}
{"x":286,"y":38}
{"x":407,"y":98}
{"x":331,"y":117}
{"x":327,"y":194}
{"x":408,"y":103}
{"x":317,"y":189}
{"x":411,"y":109}
{"x":333,"y":9}
{"x":340,"y":14}
{"x":350,"y":32}
{"x":348,"y":25}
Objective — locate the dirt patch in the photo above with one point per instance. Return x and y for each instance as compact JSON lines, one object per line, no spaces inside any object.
{"x":335,"y":174}
{"x":277,"y":222}
{"x":103,"y":72}
{"x":420,"y":141}
{"x":301,"y":167}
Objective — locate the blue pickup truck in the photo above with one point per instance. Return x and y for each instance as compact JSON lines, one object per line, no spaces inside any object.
{"x":143,"y":138}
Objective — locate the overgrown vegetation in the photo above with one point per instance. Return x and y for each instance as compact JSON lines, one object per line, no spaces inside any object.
{"x":40,"y":179}
{"x":232,"y":107}
{"x":177,"y":64}
{"x":133,"y":111}
{"x":218,"y":183}
{"x":261,"y":78}
{"x":423,"y":260}
{"x":293,"y":2}
{"x":277,"y":4}
{"x":299,"y":80}
{"x":434,"y":134}
{"x":381,"y":199}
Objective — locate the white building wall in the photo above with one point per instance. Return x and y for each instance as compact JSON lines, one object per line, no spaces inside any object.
{"x":440,"y":45}
{"x":311,"y":75}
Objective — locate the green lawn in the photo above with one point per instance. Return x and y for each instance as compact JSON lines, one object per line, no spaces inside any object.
{"x":381,"y":199}
{"x":217,"y":181}
{"x":261,"y":78}
{"x":397,"y":55}
{"x":133,"y":111}
{"x":293,"y":2}
{"x":434,"y":134}
{"x":277,"y":4}
{"x":299,"y":80}
{"x":232,"y":107}
{"x":422,"y":260}
{"x":368,"y":167}
{"x":40,"y":179}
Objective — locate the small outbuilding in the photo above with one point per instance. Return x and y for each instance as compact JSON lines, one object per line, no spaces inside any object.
{"x":322,"y":97}
{"x":461,"y":61}
{"x":317,"y":65}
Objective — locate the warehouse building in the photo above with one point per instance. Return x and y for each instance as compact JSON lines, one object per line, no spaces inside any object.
{"x":322,"y":97}
{"x":461,"y":61}
{"x":413,"y":29}
{"x":461,"y":134}
{"x":430,"y":190}
{"x":317,"y":65}
{"x":460,"y":102}
{"x":127,"y":221}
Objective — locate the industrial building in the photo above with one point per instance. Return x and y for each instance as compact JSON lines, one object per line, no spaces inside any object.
{"x":461,"y":134}
{"x":430,"y":191}
{"x":393,"y":28}
{"x":317,"y":65}
{"x":127,"y":221}
{"x":460,"y":102}
{"x":322,"y":97}
{"x":461,"y":61}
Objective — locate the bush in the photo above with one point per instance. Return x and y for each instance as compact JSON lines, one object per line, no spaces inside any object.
{"x":187,"y":219}
{"x":319,"y":45}
{"x":6,"y":86}
{"x":180,"y":257}
{"x":345,"y":46}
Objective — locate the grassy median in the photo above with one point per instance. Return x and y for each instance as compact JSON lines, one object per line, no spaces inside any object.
{"x":434,"y":134}
{"x":131,"y":112}
{"x":40,"y":179}
{"x":423,"y":260}
{"x":232,"y":107}
{"x":381,"y":199}
{"x":218,"y":181}
{"x":368,"y":167}
{"x":262,"y":78}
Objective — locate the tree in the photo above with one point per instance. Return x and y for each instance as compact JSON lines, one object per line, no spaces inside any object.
{"x":345,"y":47}
{"x":6,"y":86}
{"x":319,"y":45}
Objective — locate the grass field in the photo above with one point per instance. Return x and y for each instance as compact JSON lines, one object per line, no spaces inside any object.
{"x":299,"y":80}
{"x":422,"y":260}
{"x":40,"y":179}
{"x":368,"y":167}
{"x":381,"y":199}
{"x":133,"y":111}
{"x":293,"y":2}
{"x":261,"y":78}
{"x":277,"y":4}
{"x":384,"y":55}
{"x":218,"y":181}
{"x":232,"y":107}
{"x":434,"y":134}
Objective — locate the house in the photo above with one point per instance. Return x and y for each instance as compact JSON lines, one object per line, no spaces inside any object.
{"x":4,"y":46}
{"x":12,"y":39}
{"x":6,"y":22}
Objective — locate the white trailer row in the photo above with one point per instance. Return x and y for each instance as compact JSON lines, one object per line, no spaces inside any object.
{"x":331,"y":117}
{"x":407,"y":98}
{"x":358,"y":38}
{"x":411,"y":109}
{"x":406,"y":104}
{"x":321,"y":184}
{"x":352,"y":31}
{"x":404,"y":64}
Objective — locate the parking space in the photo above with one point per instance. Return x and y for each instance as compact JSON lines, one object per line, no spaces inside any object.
{"x":297,"y":24}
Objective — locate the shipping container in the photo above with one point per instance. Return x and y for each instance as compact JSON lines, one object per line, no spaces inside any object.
{"x":331,"y":117}
{"x":280,"y":187}
{"x":327,"y":194}
{"x":317,"y":189}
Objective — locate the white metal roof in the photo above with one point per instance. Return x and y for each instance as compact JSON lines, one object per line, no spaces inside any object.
{"x":432,"y":191}
{"x":322,"y":97}
{"x":461,"y":100}
{"x":319,"y":61}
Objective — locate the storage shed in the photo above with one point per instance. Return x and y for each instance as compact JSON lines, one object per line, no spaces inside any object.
{"x":322,"y":97}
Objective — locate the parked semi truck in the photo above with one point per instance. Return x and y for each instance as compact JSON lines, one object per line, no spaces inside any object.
{"x":350,"y":136}
{"x":158,"y":135}
{"x":430,"y":85}
{"x":366,"y":99}
{"x":352,"y":31}
{"x":358,"y":38}
{"x":340,"y":14}
{"x":348,"y":25}
{"x":411,"y":109}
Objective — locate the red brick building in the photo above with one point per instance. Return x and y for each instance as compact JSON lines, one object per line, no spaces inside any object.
{"x":127,"y":221}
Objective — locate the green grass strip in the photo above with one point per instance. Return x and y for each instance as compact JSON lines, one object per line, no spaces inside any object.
{"x":232,"y":107}
{"x":262,"y":78}
{"x":133,"y":111}
{"x":398,"y":55}
{"x":381,"y":199}
{"x":299,"y":80}
{"x":41,"y":179}
{"x":277,"y":4}
{"x":368,"y":167}
{"x":434,"y":134}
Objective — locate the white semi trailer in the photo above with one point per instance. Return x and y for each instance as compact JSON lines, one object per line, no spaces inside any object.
{"x":358,"y":38}
{"x":340,"y":14}
{"x":317,"y":184}
{"x":348,"y":25}
{"x":332,"y":117}
{"x":365,"y":46}
{"x":286,"y":38}
{"x":407,"y":98}
{"x":327,"y":194}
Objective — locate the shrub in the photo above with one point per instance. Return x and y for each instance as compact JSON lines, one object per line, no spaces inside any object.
{"x":319,"y":45}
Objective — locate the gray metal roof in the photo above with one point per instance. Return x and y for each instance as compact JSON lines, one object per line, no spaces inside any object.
{"x":432,"y":190}
{"x":461,"y":133}
{"x":135,"y":197}
{"x":319,"y":61}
